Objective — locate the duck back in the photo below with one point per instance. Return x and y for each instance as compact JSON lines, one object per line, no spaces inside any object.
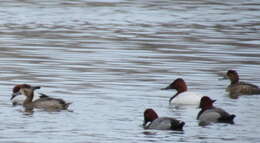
{"x":214,"y":115}
{"x":187,"y":98}
{"x":243,"y":88}
{"x":50,"y":103}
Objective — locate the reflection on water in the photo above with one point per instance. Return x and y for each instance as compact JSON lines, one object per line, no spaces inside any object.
{"x":111,"y":57}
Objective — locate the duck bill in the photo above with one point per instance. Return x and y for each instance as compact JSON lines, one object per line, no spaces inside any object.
{"x":166,"y":88}
{"x":145,"y":122}
{"x":223,"y":78}
{"x":14,"y":95}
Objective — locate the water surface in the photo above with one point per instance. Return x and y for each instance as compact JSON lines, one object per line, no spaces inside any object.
{"x":111,"y":57}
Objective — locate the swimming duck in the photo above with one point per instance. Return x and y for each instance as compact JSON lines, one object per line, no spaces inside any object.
{"x":209,"y":113}
{"x":240,"y":88}
{"x":161,"y":123}
{"x":183,"y":96}
{"x":45,"y":102}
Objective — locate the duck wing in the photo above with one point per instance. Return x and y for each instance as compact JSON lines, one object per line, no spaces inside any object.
{"x":243,"y":88}
{"x":51,"y":103}
{"x":225,"y":117}
{"x":248,"y":84}
{"x":209,"y":115}
{"x":166,"y":123}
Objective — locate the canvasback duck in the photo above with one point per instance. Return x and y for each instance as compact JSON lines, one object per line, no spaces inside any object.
{"x":161,"y":123}
{"x":209,"y":113}
{"x":183,"y":96}
{"x":45,"y":102}
{"x":237,"y":88}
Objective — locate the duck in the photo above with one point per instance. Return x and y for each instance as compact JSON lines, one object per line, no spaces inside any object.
{"x":45,"y":102}
{"x":161,"y":123}
{"x":236,"y":87}
{"x":210,"y":114}
{"x":183,"y":96}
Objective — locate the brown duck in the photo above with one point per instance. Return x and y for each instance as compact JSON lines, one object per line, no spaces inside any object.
{"x":237,"y":87}
{"x":45,"y":102}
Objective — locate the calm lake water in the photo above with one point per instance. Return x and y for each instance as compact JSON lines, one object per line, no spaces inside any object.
{"x":111,"y":57}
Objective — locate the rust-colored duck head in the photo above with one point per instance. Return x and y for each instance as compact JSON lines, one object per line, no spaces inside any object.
{"x":178,"y":84}
{"x":149,"y":116}
{"x":206,"y":102}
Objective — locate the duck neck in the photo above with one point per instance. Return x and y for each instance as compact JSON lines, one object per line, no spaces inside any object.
{"x":234,"y":81}
{"x":207,"y":107}
{"x":174,"y":96}
{"x":29,"y":97}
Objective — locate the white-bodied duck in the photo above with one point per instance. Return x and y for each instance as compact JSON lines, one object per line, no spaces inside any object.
{"x":183,"y":96}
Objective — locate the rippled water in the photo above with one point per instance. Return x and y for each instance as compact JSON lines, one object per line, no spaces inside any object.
{"x":111,"y":57}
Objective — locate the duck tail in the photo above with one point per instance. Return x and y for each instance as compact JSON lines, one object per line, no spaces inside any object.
{"x":177,"y":125}
{"x":66,"y":105}
{"x":257,"y":91}
{"x":180,"y":126}
{"x":228,"y":119}
{"x":231,"y":117}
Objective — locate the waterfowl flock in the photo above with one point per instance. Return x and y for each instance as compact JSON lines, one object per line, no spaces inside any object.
{"x":23,"y":94}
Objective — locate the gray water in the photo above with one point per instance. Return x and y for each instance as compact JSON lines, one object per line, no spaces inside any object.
{"x":111,"y":57}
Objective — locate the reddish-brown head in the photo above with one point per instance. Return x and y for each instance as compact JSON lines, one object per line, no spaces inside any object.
{"x":149,"y":116}
{"x":17,"y":89}
{"x":206,"y":102}
{"x":179,"y":84}
{"x":20,"y":86}
{"x":233,"y":76}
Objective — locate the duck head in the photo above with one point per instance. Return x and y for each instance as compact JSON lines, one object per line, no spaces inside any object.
{"x":178,"y":84}
{"x":149,"y":116}
{"x":24,"y":89}
{"x":206,"y":102}
{"x":233,"y":76}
